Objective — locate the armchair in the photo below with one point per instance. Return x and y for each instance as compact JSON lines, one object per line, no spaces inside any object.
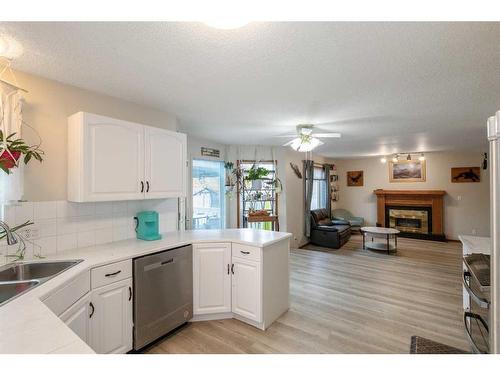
{"x":355,"y":221}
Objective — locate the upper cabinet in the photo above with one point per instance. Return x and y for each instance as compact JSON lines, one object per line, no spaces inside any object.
{"x":110,"y":159}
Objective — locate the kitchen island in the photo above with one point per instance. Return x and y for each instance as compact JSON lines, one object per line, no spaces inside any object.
{"x":257,"y":293}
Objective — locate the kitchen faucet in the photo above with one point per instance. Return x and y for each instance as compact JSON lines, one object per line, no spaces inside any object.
{"x":11,"y":240}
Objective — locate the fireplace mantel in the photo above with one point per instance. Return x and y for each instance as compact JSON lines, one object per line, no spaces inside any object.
{"x":417,"y":198}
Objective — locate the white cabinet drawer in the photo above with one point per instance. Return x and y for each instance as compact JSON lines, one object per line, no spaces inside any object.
{"x":63,"y":298}
{"x":110,"y":273}
{"x":246,"y":252}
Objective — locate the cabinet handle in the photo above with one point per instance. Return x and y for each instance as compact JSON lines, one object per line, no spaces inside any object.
{"x":228,"y":269}
{"x":232,"y":269}
{"x":113,"y":274}
{"x":93,"y":309}
{"x":147,"y":186}
{"x":142,"y":186}
{"x":129,"y":293}
{"x":245,"y":252}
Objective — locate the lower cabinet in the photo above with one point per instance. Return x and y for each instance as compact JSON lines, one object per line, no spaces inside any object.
{"x":211,"y":278}
{"x":227,"y":279}
{"x":246,"y":290}
{"x":103,"y":318}
{"x":111,"y":318}
{"x":77,"y":317}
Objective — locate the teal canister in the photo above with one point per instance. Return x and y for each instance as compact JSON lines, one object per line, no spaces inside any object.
{"x":147,"y":225}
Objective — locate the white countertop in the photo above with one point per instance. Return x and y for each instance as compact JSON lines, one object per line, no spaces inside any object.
{"x":475,"y":244}
{"x":28,"y":326}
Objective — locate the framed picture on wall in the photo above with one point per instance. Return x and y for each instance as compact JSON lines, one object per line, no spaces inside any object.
{"x":407,"y":171}
{"x":355,"y":178}
{"x":466,"y":174}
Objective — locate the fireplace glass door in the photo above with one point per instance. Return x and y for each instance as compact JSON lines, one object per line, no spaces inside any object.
{"x":410,"y":219}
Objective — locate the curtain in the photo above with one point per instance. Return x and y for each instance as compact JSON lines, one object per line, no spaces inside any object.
{"x":11,"y":102}
{"x":308,"y":189}
{"x":328,"y":168}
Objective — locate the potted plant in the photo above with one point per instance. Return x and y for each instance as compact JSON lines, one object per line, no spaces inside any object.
{"x":11,"y":150}
{"x":256,"y":175}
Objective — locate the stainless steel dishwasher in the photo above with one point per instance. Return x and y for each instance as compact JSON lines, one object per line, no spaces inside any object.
{"x":163,"y":293}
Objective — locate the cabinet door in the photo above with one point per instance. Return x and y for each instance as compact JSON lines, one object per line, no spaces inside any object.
{"x":77,"y":317}
{"x":114,"y":159}
{"x":165,"y":163}
{"x":246,"y":289}
{"x":111,"y":323}
{"x":212,"y":278}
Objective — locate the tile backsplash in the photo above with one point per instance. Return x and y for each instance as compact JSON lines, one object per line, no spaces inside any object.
{"x":63,"y":225}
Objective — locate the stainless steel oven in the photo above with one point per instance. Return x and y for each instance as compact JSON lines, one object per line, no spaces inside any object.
{"x":476,"y":282}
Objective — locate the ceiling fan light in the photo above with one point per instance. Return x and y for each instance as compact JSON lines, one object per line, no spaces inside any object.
{"x":305,"y":144}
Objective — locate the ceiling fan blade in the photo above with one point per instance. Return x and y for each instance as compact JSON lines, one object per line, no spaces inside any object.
{"x":327,"y":135}
{"x":285,"y":135}
{"x":288,"y":143}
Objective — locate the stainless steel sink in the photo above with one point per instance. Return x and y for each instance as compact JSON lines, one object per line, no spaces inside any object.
{"x":33,"y":270}
{"x":14,"y":289}
{"x":19,"y":277}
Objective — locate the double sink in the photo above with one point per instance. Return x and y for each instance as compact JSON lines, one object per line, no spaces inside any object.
{"x":19,"y":277}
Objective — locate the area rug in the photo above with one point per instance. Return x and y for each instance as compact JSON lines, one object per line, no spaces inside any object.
{"x":420,"y":345}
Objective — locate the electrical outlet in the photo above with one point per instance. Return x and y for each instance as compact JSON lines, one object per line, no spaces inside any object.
{"x":31,"y":232}
{"x":459,"y":197}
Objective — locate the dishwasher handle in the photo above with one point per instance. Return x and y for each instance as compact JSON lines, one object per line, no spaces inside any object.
{"x":156,"y":265}
{"x":480,"y":301}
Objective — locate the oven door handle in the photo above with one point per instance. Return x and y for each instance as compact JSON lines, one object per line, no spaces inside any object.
{"x":470,"y":315}
{"x":480,"y":301}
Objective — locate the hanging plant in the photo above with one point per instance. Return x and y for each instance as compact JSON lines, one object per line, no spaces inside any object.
{"x":11,"y":150}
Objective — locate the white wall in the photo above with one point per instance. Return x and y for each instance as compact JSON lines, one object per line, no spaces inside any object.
{"x":47,"y":107}
{"x":466,"y":204}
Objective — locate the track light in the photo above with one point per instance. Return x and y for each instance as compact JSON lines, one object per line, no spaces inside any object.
{"x":408,"y":157}
{"x":383,"y":159}
{"x":422,"y":157}
{"x":395,"y":159}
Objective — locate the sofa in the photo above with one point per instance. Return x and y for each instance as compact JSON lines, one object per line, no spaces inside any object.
{"x":356,"y":222}
{"x":327,"y":232}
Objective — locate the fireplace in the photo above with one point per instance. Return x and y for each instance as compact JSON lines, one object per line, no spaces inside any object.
{"x":415,"y":213}
{"x":409,"y":220}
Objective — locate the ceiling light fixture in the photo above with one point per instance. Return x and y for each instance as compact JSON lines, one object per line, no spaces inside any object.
{"x":9,"y":47}
{"x":305,"y":143}
{"x":383,"y":159}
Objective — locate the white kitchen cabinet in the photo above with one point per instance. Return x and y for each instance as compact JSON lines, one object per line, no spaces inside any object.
{"x":211,"y":278}
{"x":77,"y":317}
{"x":165,"y":174}
{"x":111,"y":318}
{"x":111,"y":159}
{"x":246,"y":289}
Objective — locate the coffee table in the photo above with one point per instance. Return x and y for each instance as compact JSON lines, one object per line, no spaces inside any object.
{"x":387,"y":233}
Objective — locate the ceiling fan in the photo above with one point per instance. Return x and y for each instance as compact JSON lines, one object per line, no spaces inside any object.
{"x":306,"y":139}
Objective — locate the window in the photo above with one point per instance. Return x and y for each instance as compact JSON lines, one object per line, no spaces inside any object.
{"x":208,"y":194}
{"x":319,"y":192}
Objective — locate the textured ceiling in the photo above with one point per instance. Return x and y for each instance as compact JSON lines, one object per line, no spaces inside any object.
{"x":387,"y":86}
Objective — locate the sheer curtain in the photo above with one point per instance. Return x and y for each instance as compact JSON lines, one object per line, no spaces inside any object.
{"x":11,"y":102}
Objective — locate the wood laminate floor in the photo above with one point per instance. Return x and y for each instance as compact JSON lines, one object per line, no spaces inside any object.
{"x":349,"y":301}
